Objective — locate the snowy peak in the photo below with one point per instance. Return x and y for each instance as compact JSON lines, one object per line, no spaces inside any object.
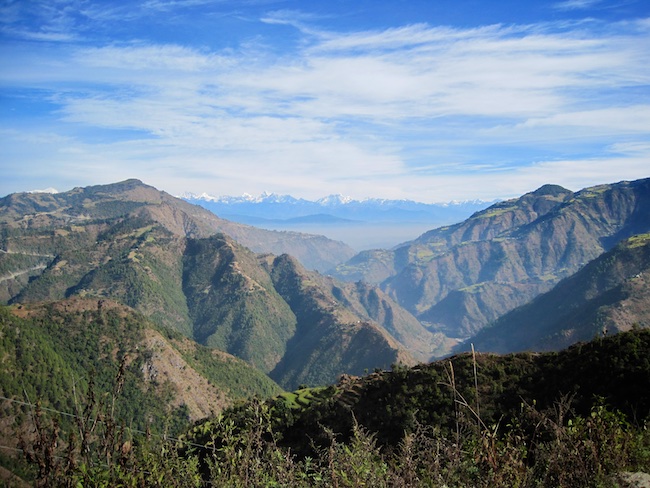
{"x":275,"y":198}
{"x":328,"y":201}
{"x":264,"y":197}
{"x":332,"y":200}
{"x":272,"y":206}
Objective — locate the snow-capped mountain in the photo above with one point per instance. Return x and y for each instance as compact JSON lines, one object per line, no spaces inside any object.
{"x":246,"y":198}
{"x":271,"y":206}
{"x":362,"y":224}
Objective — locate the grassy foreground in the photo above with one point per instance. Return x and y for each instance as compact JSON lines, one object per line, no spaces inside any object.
{"x":444,"y":424}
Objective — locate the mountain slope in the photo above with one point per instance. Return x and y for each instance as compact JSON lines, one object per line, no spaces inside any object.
{"x":328,"y":334}
{"x":233,"y":303}
{"x":279,"y":316}
{"x":132,"y":260}
{"x":609,"y":295}
{"x":514,"y":388}
{"x":154,"y":258}
{"x":222,"y":295}
{"x":377,"y":266}
{"x":51,"y":350}
{"x":132,"y":198}
{"x":460,"y":278}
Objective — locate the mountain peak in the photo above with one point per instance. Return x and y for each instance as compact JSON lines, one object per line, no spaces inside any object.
{"x":336,"y":199}
{"x":551,"y":190}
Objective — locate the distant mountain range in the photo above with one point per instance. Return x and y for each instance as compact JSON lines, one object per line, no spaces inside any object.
{"x":274,"y":207}
{"x":195,"y":312}
{"x":361,"y":224}
{"x":149,"y":250}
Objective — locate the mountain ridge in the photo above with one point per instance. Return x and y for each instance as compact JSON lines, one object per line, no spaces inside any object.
{"x":608,"y":295}
{"x":283,"y":207}
{"x":180,"y":217}
{"x":82,"y":334}
{"x":333,"y":199}
{"x":459,"y":278}
{"x":362,"y":224}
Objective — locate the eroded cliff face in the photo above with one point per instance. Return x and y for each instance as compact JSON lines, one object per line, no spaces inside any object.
{"x":459,"y":278}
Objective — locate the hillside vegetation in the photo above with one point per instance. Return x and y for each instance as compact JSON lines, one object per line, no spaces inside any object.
{"x":577,"y":418}
{"x":573,"y":418}
{"x":141,"y":346}
{"x":52,"y":353}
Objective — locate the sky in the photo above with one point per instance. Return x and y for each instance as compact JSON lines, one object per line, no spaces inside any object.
{"x":428,"y":100}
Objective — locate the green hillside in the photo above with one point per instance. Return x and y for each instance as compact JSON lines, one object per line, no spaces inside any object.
{"x":126,"y":309}
{"x":613,"y":371}
{"x":330,"y":338}
{"x":51,"y":352}
{"x":574,"y":418}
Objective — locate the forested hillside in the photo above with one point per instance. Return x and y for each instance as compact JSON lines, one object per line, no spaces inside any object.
{"x":55,"y":353}
{"x":573,"y":418}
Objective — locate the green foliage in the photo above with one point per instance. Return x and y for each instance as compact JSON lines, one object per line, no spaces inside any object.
{"x":392,"y":404}
{"x":241,"y":449}
{"x":236,"y":377}
{"x":302,"y":397}
{"x":49,"y":357}
{"x":638,"y":240}
{"x":128,"y":247}
{"x":98,"y":451}
{"x":233,"y":304}
{"x":550,"y":443}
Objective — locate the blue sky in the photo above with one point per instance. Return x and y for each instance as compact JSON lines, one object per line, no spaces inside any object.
{"x":426,"y":100}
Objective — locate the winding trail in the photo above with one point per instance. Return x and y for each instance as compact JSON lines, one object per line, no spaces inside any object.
{"x":28,"y":253}
{"x":14,"y":274}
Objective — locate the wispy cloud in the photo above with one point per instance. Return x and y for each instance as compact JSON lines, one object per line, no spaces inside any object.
{"x":576,"y":4}
{"x":166,"y":5}
{"x":368,"y":112}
